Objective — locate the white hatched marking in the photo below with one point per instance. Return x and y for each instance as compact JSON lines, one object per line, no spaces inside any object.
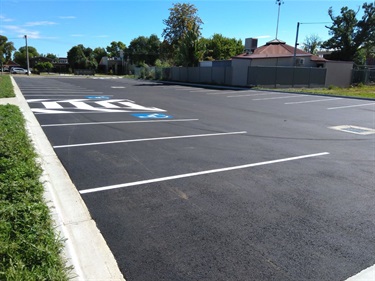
{"x":52,"y":105}
{"x":135,"y":106}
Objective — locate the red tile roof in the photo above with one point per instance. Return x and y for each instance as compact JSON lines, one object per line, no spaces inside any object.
{"x":277,"y":49}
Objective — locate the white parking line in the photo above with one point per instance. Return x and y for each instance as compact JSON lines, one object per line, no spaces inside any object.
{"x":310,"y":101}
{"x":116,"y":186}
{"x":149,"y":139}
{"x":253,"y":95}
{"x":118,"y":122}
{"x":350,"y":106}
{"x":279,"y":98}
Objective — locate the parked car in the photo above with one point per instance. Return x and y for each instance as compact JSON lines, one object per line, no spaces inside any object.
{"x":18,"y":70}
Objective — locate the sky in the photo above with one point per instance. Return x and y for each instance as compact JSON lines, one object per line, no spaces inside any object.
{"x":55,"y":26}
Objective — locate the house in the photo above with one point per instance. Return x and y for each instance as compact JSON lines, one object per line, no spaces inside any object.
{"x":9,"y":64}
{"x":258,"y":65}
{"x":111,"y":65}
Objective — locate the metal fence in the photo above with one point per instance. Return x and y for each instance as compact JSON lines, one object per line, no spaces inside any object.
{"x":281,"y":76}
{"x":256,"y":76}
{"x":364,"y":76}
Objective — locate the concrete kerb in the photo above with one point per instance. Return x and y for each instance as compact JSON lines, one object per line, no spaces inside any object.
{"x":85,"y":248}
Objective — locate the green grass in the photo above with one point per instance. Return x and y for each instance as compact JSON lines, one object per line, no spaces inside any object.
{"x":360,"y":91}
{"x":6,"y":87}
{"x":29,"y":248}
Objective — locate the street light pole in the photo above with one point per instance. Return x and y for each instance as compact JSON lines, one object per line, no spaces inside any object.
{"x":27,"y":57}
{"x":278,"y":2}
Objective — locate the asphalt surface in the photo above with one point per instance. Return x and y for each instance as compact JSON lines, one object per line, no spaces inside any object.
{"x":210,"y":184}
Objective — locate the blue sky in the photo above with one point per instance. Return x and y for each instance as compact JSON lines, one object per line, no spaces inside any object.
{"x":54,"y":26}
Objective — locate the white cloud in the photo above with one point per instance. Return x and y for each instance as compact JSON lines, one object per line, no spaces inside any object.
{"x":67,"y":17}
{"x":5,"y":19}
{"x":22,"y":31}
{"x":40,"y":23}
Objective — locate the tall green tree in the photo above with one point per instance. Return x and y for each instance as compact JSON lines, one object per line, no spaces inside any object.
{"x":80,"y":57}
{"x":350,"y":34}
{"x":6,"y":49}
{"x":221,"y":48}
{"x":182,"y":19}
{"x":144,"y":49}
{"x":99,"y":53}
{"x":114,"y":48}
{"x":20,"y":55}
{"x":190,"y":50}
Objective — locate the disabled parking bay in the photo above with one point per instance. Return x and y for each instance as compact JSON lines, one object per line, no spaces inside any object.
{"x":189,"y":184}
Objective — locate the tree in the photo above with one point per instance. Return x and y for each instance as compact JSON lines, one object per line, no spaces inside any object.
{"x":115,"y":48}
{"x":20,"y":55}
{"x":182,"y":19}
{"x":221,"y":48}
{"x":6,"y":49}
{"x":80,"y":57}
{"x":99,"y":53}
{"x":144,"y":50}
{"x":190,"y":50}
{"x":350,"y":34}
{"x":312,"y":43}
{"x":44,"y":66}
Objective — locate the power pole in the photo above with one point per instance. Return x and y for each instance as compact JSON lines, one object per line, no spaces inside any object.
{"x":278,"y":2}
{"x":27,"y":57}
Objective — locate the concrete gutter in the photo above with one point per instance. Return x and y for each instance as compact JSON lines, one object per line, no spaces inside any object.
{"x":85,"y":248}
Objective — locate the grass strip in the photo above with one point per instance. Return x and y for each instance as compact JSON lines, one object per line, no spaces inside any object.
{"x":29,"y":248}
{"x":360,"y":91}
{"x":6,"y":87}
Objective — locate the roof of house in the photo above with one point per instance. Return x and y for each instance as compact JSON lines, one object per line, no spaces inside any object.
{"x":277,"y":49}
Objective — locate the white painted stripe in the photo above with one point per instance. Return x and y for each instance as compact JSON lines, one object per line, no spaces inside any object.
{"x":118,"y":87}
{"x":102,"y":110}
{"x":203,"y":90}
{"x":279,"y":98}
{"x":367,"y":274}
{"x":131,"y":105}
{"x":350,"y":106}
{"x":53,"y":95}
{"x":310,"y":101}
{"x":108,"y":104}
{"x":51,"y":105}
{"x":38,"y":111}
{"x":116,"y":186}
{"x":36,"y":100}
{"x":257,"y":94}
{"x":227,"y":92}
{"x":82,"y":105}
{"x":149,"y":139}
{"x":118,"y":122}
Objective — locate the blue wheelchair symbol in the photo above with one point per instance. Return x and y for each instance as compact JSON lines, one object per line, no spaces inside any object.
{"x":97,"y":97}
{"x":152,"y":116}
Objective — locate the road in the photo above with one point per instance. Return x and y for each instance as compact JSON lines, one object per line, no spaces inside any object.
{"x":191,"y":183}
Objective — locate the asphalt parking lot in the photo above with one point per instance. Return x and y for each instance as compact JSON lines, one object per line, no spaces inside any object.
{"x":191,"y":183}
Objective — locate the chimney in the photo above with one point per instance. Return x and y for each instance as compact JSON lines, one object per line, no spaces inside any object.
{"x":250,"y":45}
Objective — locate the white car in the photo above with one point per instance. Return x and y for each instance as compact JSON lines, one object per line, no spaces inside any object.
{"x":18,"y":70}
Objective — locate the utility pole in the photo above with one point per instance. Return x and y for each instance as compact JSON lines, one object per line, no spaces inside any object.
{"x":295,"y":45}
{"x":27,"y":57}
{"x":278,"y":2}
